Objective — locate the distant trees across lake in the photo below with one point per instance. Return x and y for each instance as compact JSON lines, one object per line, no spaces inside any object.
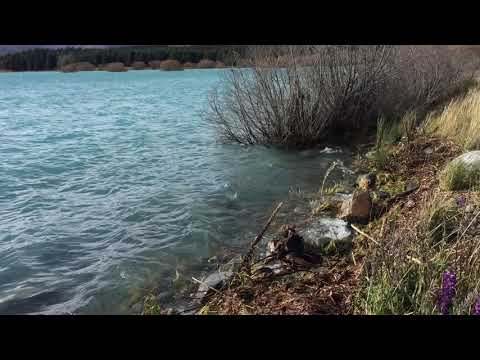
{"x":53,"y":59}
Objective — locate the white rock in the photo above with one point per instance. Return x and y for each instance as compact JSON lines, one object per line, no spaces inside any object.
{"x":322,"y":231}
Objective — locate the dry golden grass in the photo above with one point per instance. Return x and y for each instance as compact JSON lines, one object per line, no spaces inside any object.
{"x":459,"y":120}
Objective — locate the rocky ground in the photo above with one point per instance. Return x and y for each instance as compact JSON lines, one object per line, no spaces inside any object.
{"x":323,"y":265}
{"x":317,"y":267}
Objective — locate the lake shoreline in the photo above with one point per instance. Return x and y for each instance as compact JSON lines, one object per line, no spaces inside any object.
{"x":333,"y":287}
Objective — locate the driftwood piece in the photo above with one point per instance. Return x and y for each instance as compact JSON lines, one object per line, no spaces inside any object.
{"x":259,"y":237}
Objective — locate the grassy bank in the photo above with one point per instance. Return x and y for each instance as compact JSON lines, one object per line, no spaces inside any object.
{"x":419,"y":257}
{"x":434,"y":233}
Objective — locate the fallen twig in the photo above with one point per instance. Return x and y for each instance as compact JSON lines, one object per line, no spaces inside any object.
{"x":260,"y":236}
{"x":203,"y":283}
{"x":364,"y":234}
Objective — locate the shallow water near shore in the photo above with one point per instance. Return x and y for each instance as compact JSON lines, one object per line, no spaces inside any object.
{"x":114,"y":182}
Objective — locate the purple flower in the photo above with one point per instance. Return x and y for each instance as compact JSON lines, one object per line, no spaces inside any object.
{"x":461,"y":201}
{"x":449,"y":283}
{"x":476,"y":309}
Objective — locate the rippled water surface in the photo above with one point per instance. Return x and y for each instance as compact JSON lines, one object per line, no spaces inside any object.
{"x":111,"y":180}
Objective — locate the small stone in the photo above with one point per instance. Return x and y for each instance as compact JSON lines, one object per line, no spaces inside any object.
{"x":366,"y":182}
{"x":428,"y":150}
{"x":358,"y":208}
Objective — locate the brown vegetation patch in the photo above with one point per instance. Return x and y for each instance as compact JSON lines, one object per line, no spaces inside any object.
{"x":189,"y":65}
{"x":422,"y":159}
{"x":138,"y":65}
{"x":206,"y":64}
{"x":81,"y":66}
{"x":115,"y":67}
{"x":327,"y":290}
{"x":171,"y":65}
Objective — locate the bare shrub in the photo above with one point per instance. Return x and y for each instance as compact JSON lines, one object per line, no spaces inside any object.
{"x":291,"y":97}
{"x":296,"y":96}
{"x":423,"y":76}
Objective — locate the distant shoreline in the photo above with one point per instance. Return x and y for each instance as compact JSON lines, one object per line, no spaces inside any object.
{"x":2,"y":71}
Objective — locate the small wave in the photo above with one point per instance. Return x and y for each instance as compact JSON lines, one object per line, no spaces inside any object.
{"x":328,"y":150}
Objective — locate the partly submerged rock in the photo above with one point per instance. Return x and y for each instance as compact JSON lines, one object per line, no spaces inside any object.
{"x":216,"y":280}
{"x":323,"y":232}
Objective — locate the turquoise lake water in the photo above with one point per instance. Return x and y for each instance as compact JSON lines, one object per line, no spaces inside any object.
{"x":110,"y":182}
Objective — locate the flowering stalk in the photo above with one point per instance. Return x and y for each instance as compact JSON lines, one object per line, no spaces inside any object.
{"x":476,"y":309}
{"x":449,"y":283}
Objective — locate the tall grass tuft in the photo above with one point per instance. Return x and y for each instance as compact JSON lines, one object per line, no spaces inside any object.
{"x":457,"y":177}
{"x":459,"y":120}
{"x":404,"y":273}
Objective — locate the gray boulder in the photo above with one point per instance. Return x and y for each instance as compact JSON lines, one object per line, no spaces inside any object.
{"x":471,"y":160}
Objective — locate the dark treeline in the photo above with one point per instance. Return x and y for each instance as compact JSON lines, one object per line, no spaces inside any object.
{"x":52,"y":59}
